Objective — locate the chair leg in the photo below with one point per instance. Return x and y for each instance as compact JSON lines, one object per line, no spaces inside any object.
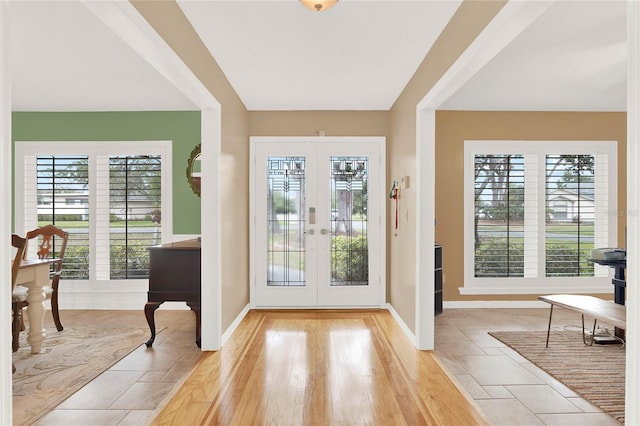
{"x":15,"y":328}
{"x":54,"y":310}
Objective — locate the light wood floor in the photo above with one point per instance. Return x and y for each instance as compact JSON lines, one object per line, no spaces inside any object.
{"x":319,"y":368}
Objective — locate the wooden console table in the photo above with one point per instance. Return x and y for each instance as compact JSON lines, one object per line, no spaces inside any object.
{"x":609,"y":312}
{"x":174,"y":276}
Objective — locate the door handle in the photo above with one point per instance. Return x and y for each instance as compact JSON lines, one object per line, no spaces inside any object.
{"x":312,"y":215}
{"x":310,"y":231}
{"x":323,"y":231}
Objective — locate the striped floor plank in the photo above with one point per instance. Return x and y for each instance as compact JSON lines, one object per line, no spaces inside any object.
{"x":318,"y":367}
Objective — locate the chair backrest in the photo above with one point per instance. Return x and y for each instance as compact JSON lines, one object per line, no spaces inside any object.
{"x":47,"y":233}
{"x":20,"y":244}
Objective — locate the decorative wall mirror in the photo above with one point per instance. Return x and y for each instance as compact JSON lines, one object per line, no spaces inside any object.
{"x":193,"y":170}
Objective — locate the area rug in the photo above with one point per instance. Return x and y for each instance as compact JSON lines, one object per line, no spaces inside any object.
{"x":69,"y":360}
{"x":597,"y":373}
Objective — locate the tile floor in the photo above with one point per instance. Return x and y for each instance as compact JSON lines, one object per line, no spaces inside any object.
{"x":130,"y":392}
{"x":509,"y":389}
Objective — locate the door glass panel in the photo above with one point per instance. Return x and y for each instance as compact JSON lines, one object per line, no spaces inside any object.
{"x":349,"y":244}
{"x":285,"y":221}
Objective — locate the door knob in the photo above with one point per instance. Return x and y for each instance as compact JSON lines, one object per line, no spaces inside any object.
{"x":310,"y":231}
{"x":323,"y":231}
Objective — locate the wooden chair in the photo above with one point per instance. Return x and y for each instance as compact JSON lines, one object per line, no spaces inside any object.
{"x":44,"y":236}
{"x":20,"y":244}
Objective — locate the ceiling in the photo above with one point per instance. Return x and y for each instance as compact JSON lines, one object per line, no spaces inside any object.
{"x":358,"y":55}
{"x":573,"y":58}
{"x":63,"y":58}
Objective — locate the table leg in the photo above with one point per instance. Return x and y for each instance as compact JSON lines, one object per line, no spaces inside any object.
{"x":35,"y":312}
{"x":549,"y":327}
{"x":593,"y":332}
{"x":619,"y":284}
{"x":149,"y":311}
{"x":195,"y":307}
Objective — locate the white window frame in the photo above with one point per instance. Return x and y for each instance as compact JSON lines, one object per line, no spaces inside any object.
{"x":535,"y":281}
{"x":84,"y":293}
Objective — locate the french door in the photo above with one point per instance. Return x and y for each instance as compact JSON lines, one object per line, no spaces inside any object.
{"x":317,"y":222}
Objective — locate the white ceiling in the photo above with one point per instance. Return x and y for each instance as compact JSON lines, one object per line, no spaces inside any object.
{"x":280,"y":56}
{"x":64,"y":59}
{"x":573,"y":58}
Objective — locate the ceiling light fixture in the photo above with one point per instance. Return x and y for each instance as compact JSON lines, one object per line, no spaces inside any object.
{"x":318,"y":5}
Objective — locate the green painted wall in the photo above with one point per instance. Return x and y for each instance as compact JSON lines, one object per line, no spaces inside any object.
{"x":180,"y":127}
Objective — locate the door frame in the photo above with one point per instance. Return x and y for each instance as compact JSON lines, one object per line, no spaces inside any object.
{"x":254,"y":140}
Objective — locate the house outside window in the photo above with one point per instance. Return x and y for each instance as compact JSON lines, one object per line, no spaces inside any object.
{"x":108,"y":196}
{"x":533,"y":212}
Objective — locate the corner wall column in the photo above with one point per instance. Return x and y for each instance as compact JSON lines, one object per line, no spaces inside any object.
{"x":632,"y":391}
{"x":210,"y":228}
{"x":6,"y":411}
{"x":425,"y":202}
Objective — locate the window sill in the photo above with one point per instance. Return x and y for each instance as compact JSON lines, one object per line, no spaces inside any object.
{"x":547,"y":289}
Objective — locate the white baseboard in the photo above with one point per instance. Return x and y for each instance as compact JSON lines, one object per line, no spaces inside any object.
{"x":227,"y":334}
{"x":474,"y":304}
{"x":183,"y":237}
{"x":495,"y":304}
{"x":103,"y":300}
{"x":402,"y":324}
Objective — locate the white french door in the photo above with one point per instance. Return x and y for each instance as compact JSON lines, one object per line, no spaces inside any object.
{"x":317,"y":231}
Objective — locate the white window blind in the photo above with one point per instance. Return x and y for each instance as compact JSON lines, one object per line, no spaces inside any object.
{"x":134,"y":213}
{"x":571,"y":214}
{"x":499,"y":215}
{"x":531,"y":217}
{"x":56,"y":192}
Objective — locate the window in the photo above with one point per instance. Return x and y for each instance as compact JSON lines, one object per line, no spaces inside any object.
{"x":559,"y":211}
{"x":569,"y":232}
{"x":533,"y":212}
{"x":114,"y":199}
{"x":135,"y":196}
{"x":58,"y":180}
{"x":499,"y":214}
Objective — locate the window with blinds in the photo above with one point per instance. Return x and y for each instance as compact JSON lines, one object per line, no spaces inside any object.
{"x":534,"y":211}
{"x":62,"y":194}
{"x":135,"y":198}
{"x":570,"y":215}
{"x":110,"y":197}
{"x":499,"y":215}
